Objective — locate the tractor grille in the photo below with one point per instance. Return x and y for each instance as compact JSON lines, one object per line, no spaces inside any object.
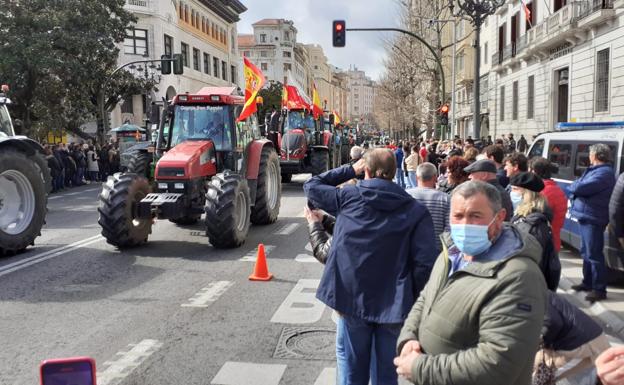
{"x":170,"y":171}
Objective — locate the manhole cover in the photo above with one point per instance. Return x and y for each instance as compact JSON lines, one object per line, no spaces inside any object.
{"x":306,"y":343}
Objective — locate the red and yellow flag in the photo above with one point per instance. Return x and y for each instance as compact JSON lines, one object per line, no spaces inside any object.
{"x":336,"y":118}
{"x":317,"y":110}
{"x":254,"y":80}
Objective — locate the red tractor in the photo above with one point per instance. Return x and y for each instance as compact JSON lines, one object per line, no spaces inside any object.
{"x":202,"y":162}
{"x":306,"y":145}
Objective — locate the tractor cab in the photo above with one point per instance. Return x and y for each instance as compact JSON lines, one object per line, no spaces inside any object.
{"x":6,"y":126}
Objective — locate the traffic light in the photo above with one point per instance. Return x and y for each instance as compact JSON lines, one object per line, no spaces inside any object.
{"x":339,"y":33}
{"x":178,"y":65}
{"x":165,"y":64}
{"x":444,"y":110}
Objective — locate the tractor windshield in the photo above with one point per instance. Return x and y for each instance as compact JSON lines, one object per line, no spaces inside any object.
{"x":295,"y":119}
{"x":6,"y":128}
{"x":202,"y":123}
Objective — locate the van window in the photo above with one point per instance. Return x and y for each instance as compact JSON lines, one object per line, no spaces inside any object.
{"x":537,"y":149}
{"x":582,"y":156}
{"x":560,"y":154}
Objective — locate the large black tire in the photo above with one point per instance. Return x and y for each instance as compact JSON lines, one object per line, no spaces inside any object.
{"x":320,"y":162}
{"x":118,"y":200}
{"x":140,"y":163}
{"x":269,"y":190}
{"x":44,"y":170}
{"x":227,"y":210}
{"x":286,"y":178}
{"x":17,"y":170}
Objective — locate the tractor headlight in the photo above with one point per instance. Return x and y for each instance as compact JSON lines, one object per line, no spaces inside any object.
{"x":162,"y":186}
{"x":178,"y":186}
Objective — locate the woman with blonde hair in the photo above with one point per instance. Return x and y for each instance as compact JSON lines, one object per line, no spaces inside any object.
{"x":532,"y":214}
{"x":471,"y":154}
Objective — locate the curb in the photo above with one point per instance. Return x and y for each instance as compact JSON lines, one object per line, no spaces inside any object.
{"x":597,"y":309}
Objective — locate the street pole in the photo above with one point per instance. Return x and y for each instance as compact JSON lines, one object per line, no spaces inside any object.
{"x":477,"y":85}
{"x":453,"y":81}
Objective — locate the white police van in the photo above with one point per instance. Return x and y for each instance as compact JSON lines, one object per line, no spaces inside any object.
{"x":568,"y":148}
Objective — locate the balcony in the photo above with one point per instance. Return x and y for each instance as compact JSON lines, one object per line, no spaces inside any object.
{"x":595,"y":12}
{"x":140,"y":6}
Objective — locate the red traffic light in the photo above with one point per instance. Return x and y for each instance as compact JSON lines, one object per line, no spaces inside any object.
{"x":444,"y":109}
{"x":338,"y":33}
{"x":338,"y":27}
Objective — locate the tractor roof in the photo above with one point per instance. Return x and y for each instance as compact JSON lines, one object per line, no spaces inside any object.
{"x":211,"y":95}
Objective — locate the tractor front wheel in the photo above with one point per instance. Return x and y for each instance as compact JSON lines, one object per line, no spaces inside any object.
{"x":140,"y":163}
{"x":269,"y":190}
{"x":320,"y":162}
{"x":119,"y":210}
{"x":227,"y":210}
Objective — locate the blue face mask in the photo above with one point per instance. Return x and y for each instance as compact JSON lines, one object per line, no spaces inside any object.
{"x":516,"y":198}
{"x":471,"y":239}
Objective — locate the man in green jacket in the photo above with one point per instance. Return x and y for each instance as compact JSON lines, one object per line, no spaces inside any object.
{"x":478,"y":319}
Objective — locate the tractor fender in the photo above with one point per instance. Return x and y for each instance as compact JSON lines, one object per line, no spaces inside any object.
{"x":22,"y":143}
{"x":320,"y":148}
{"x":252,"y":160}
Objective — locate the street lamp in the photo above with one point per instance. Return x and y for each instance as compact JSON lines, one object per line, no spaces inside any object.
{"x":477,"y":11}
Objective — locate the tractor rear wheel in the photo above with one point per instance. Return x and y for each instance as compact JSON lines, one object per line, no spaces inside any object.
{"x":118,"y":210}
{"x":286,"y":178}
{"x":44,"y":170}
{"x":320,"y":162}
{"x":22,"y":201}
{"x":227,"y":210}
{"x":140,"y":163}
{"x":269,"y":190}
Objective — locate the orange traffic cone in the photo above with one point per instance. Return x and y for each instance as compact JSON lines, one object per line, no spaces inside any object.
{"x":261,"y":270}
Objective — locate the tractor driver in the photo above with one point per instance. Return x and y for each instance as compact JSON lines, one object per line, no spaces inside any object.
{"x":216,"y":130}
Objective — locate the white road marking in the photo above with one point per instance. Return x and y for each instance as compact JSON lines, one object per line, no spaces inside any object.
{"x":308,"y":247}
{"x":327,"y":377}
{"x":245,"y":373}
{"x":119,"y":369}
{"x":54,"y":197}
{"x":74,"y":193}
{"x":15,"y":266}
{"x":287,"y":229}
{"x":251,"y":256}
{"x":208,"y":294}
{"x":305,"y":258}
{"x":301,"y":305}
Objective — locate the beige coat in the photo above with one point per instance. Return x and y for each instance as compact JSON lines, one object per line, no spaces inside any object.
{"x":412,"y":161}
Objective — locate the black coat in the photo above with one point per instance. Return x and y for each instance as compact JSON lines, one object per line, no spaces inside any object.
{"x":446,"y":187}
{"x":54,"y":165}
{"x":566,"y":327}
{"x":616,"y":208}
{"x":507,"y":205}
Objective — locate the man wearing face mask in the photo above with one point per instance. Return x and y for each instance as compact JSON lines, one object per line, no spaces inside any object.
{"x":478,"y":319}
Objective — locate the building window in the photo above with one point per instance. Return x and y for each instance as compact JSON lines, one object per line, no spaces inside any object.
{"x":514,"y":101}
{"x":502,"y":103}
{"x":181,"y":11}
{"x":262,"y":38}
{"x":136,"y":42}
{"x":460,"y":61}
{"x":287,"y":54}
{"x":265,"y":67}
{"x":246,"y":53}
{"x":193,"y":17}
{"x":127,"y":107}
{"x":233,"y":77}
{"x":215,"y":67}
{"x":224,"y":70}
{"x":263,"y":53}
{"x":287,"y":66}
{"x":531,"y":98}
{"x":206,"y":63}
{"x":168,"y":46}
{"x":186,"y":13}
{"x":185,"y":54}
{"x":602,"y":80}
{"x":195,"y":59}
{"x":485,"y":53}
{"x":287,"y":35}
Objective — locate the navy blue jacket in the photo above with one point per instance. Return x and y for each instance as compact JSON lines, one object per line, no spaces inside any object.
{"x":590,"y":195}
{"x":399,"y":157}
{"x":383,"y":247}
{"x":566,"y":327}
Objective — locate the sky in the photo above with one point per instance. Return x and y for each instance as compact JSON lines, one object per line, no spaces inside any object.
{"x":313,"y":20}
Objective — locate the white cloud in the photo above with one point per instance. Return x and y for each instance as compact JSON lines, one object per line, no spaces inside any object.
{"x":313,"y":20}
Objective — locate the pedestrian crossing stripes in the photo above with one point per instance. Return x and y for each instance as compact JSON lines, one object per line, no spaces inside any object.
{"x":208,"y":294}
{"x":287,"y":229}
{"x":251,"y":256}
{"x":119,"y":369}
{"x":301,"y":305}
{"x":245,"y":373}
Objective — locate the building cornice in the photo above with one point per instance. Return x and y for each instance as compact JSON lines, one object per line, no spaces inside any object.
{"x":228,"y":10}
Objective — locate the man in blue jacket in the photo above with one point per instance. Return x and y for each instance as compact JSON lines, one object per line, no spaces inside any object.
{"x":381,"y":257}
{"x":590,"y":207}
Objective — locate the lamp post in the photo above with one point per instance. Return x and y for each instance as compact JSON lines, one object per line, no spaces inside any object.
{"x":476,"y":11}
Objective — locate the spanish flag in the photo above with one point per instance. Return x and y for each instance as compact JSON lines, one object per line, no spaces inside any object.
{"x":254,"y":80}
{"x":336,"y":118}
{"x":317,"y":110}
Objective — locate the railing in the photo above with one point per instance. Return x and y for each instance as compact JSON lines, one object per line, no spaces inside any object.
{"x":138,"y":3}
{"x":591,"y":6}
{"x":508,"y":51}
{"x":497,"y":58}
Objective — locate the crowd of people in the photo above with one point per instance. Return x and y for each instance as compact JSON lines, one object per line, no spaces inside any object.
{"x":445,"y":265}
{"x":76,"y":164}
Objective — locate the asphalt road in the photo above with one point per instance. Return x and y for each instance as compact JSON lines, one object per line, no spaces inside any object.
{"x":175,"y":311}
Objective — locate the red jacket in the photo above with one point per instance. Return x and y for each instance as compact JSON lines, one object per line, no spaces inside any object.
{"x":558,"y":203}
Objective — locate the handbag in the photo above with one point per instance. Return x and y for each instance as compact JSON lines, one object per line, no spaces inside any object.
{"x":546,"y":373}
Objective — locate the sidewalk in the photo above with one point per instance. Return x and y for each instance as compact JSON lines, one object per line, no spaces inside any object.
{"x":610,"y":312}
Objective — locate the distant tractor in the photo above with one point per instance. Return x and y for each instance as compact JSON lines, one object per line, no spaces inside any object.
{"x":25,"y":182}
{"x":202,"y":162}
{"x":305,"y":145}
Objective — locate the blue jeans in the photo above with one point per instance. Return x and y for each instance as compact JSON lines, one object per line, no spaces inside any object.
{"x":594,"y":268}
{"x":411,"y":176}
{"x":400,"y":178}
{"x":369,"y":350}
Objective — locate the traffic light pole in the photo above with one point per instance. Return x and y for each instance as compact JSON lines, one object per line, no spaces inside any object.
{"x":435,"y":55}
